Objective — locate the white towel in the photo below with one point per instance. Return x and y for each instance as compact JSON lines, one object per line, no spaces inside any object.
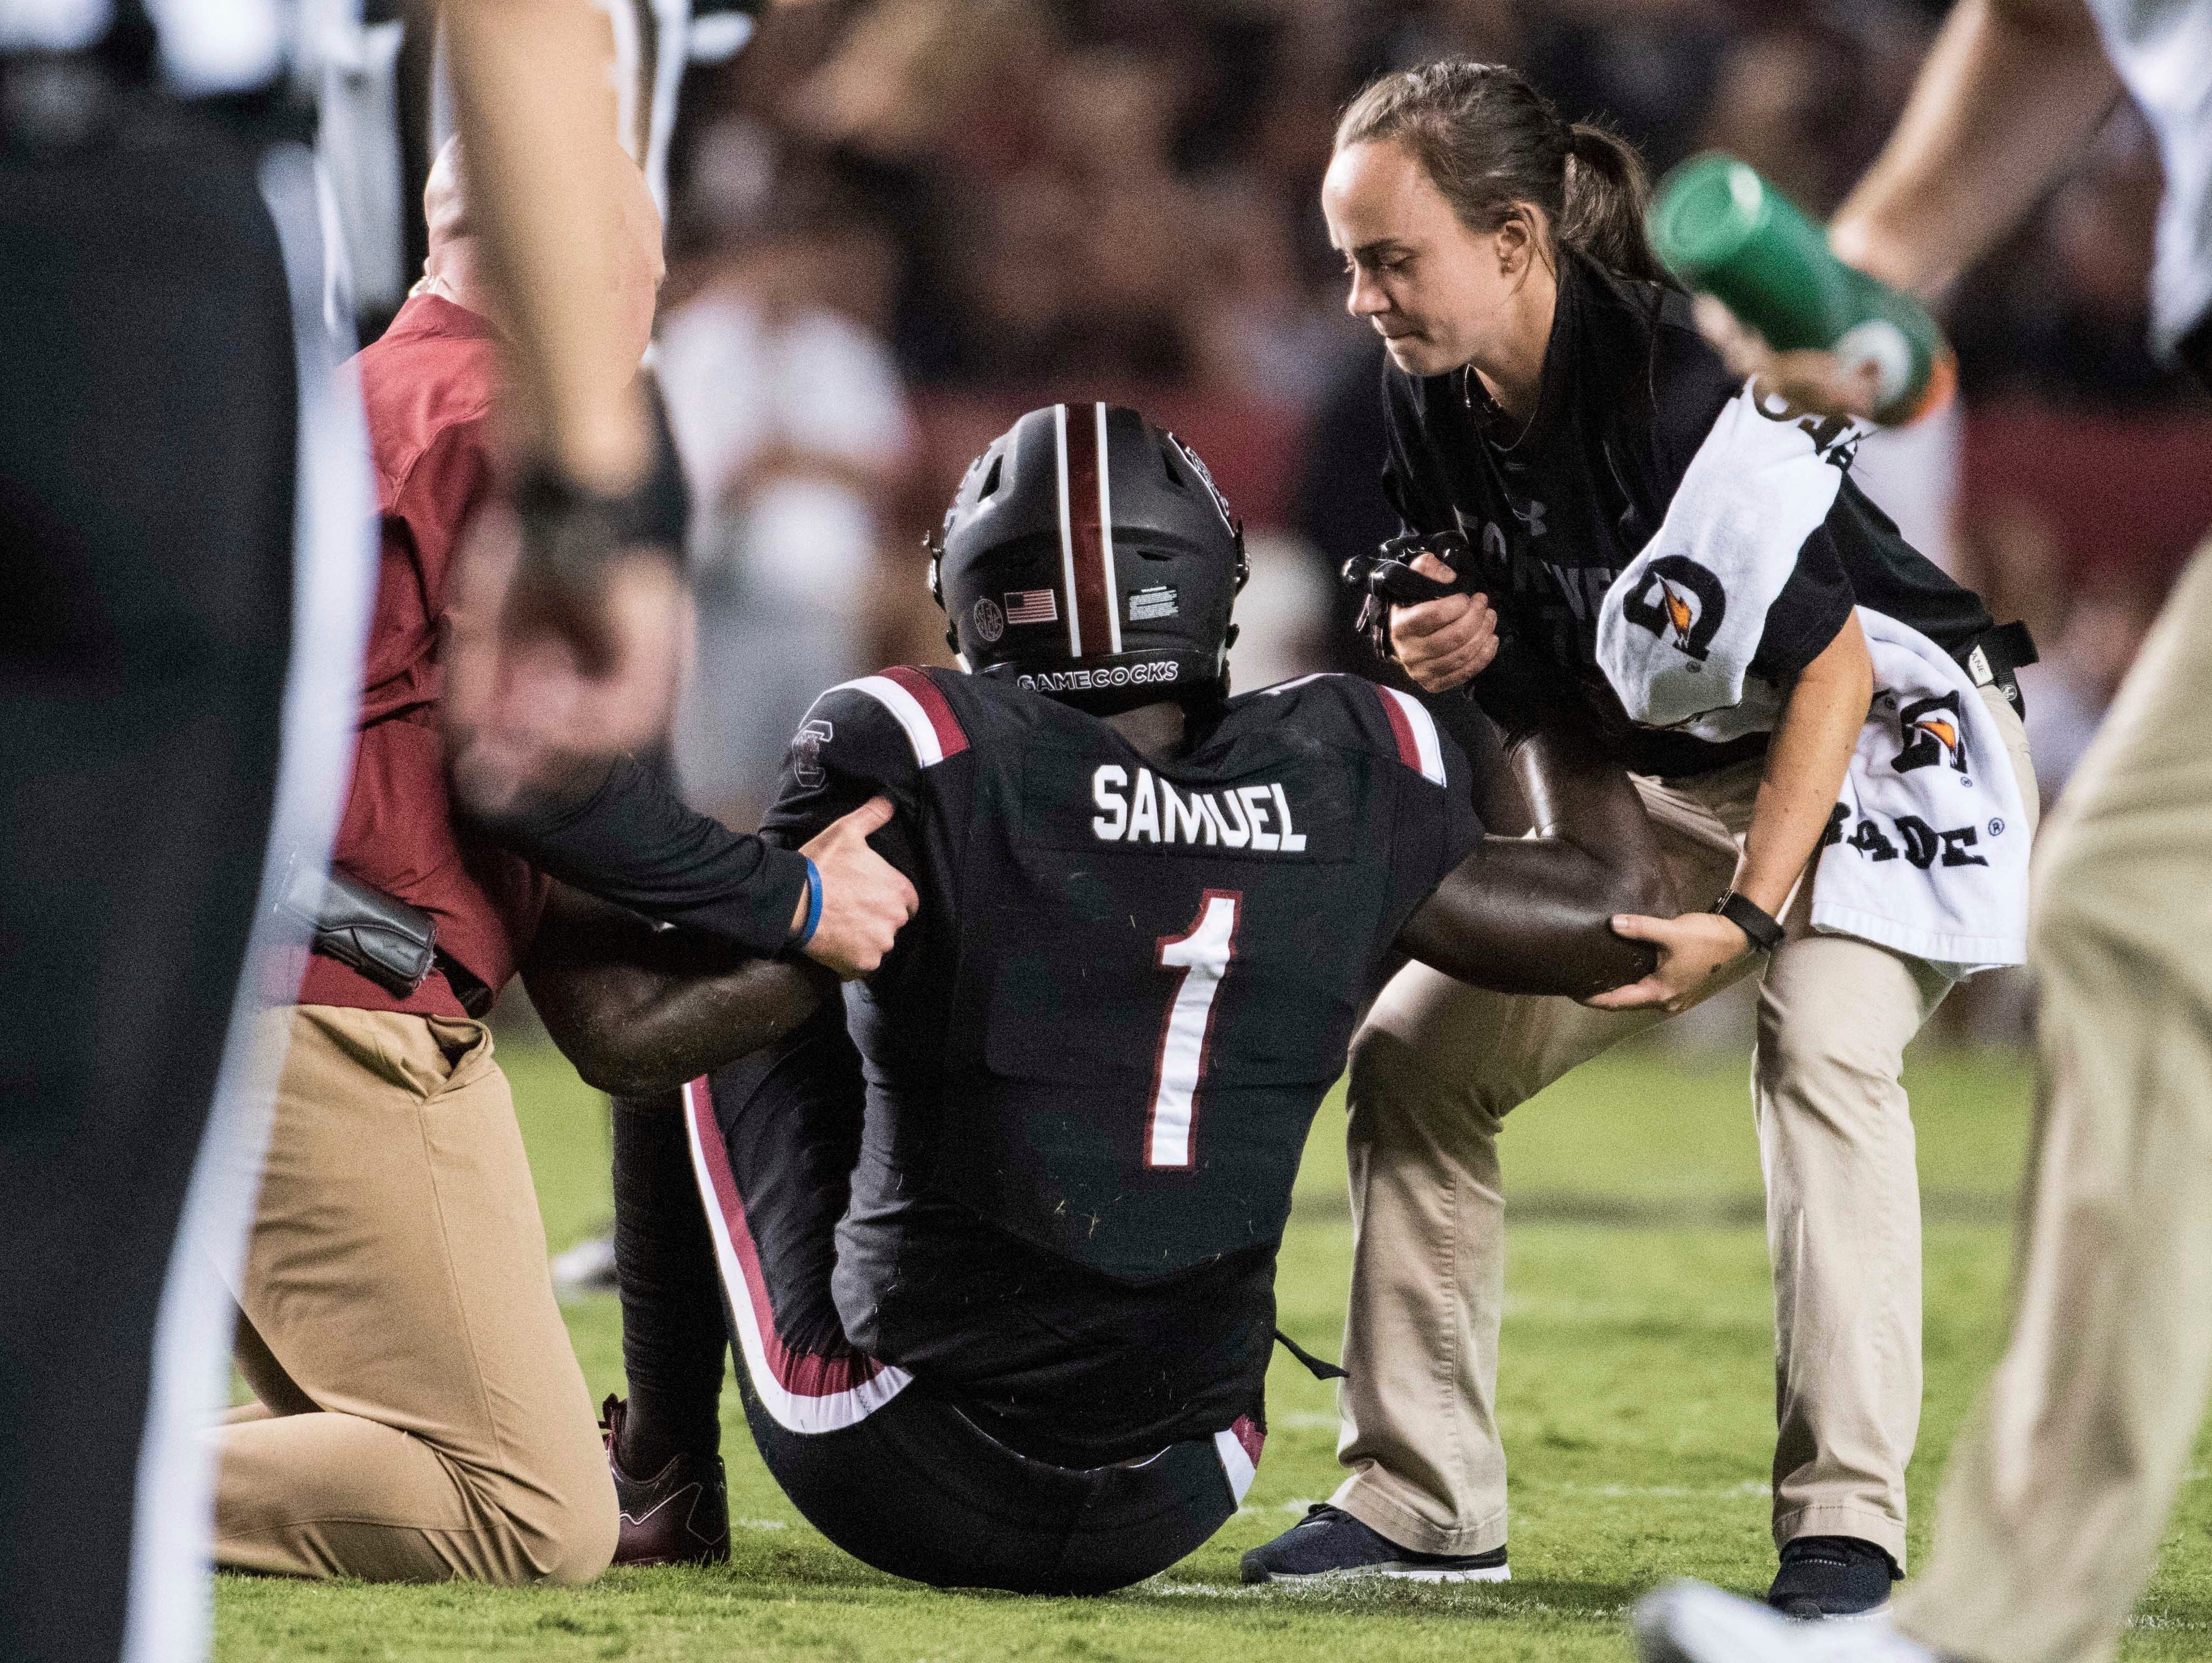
{"x":1681,"y":624}
{"x":1928,"y":851}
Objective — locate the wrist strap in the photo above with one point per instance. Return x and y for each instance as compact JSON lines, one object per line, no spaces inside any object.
{"x":813,"y":905}
{"x":1754,"y":920}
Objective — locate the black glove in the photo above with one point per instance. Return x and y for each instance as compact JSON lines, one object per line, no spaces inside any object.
{"x":1386,"y":579}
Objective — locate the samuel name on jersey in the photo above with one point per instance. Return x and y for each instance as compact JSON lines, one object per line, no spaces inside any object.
{"x":1257,"y":817}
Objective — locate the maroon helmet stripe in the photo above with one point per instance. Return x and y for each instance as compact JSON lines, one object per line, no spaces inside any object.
{"x":1094,"y":605}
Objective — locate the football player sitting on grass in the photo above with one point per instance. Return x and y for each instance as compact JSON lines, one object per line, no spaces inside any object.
{"x":996,"y":1229}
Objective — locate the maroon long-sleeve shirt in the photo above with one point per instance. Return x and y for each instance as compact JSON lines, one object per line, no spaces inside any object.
{"x":428,"y":385}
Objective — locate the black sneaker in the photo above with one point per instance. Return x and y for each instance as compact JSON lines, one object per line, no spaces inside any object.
{"x":1832,"y":1576}
{"x":1329,"y":1542}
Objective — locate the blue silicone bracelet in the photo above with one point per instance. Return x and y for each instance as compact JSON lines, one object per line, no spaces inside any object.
{"x":813,"y":904}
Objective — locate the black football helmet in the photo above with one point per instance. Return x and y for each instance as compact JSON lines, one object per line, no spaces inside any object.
{"x":1089,"y":555}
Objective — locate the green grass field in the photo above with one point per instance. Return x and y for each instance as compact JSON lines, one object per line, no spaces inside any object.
{"x":1636,"y":1400}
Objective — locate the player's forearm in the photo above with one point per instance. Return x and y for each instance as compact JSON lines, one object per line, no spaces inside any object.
{"x":642,"y":1034}
{"x":536,"y":119}
{"x":639,"y":1011}
{"x":2009,"y":94}
{"x":1806,"y":762}
{"x":1533,"y":915}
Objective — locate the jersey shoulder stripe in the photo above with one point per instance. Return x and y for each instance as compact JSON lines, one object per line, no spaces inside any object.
{"x":1412,"y":730}
{"x":1415,"y":731}
{"x":920,"y":709}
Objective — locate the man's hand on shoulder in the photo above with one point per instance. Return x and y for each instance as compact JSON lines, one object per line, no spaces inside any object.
{"x":865,"y":900}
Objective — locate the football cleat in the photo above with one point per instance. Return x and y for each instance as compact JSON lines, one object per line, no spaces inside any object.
{"x":1329,"y":1543}
{"x":1824,"y":1576}
{"x":1691,"y":1623}
{"x":679,"y":1516}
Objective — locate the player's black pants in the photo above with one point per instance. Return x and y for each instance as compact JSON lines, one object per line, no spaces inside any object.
{"x":890,"y":1469}
{"x":147,"y":396}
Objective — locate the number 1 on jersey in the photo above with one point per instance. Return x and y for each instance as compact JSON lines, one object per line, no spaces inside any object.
{"x":1202,"y":954}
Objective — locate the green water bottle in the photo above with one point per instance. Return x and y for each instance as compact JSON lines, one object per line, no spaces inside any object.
{"x":1725,"y":231}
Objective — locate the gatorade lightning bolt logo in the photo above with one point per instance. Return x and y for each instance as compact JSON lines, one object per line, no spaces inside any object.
{"x":1680,"y":602}
{"x":1931,"y":732}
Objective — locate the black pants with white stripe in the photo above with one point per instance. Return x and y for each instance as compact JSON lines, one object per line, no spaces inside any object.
{"x":148,"y":399}
{"x":890,"y":1469}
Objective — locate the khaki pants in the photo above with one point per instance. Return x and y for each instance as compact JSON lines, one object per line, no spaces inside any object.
{"x":1435,"y":1070}
{"x":2058,"y":1489}
{"x":421,"y":1416}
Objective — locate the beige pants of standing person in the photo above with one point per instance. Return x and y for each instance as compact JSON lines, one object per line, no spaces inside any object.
{"x":422,"y":1415}
{"x":2048,"y":1524}
{"x":1435,"y":1070}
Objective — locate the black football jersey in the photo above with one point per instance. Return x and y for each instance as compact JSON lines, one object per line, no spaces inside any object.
{"x":1130,"y":983}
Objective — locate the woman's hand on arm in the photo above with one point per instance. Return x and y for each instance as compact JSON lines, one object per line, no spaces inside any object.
{"x":1534,"y":915}
{"x":1446,"y":641}
{"x":1806,"y":762}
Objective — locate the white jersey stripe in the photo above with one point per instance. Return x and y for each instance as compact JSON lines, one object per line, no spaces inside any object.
{"x":1067,"y":534}
{"x":1106,"y":534}
{"x":1424,"y":725}
{"x":920,"y":731}
{"x":53,"y":25}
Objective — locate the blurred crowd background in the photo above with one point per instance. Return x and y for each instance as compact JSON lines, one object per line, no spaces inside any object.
{"x":895,"y":225}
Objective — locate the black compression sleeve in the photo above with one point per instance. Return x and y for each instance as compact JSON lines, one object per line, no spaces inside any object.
{"x":673,"y":1331}
{"x":635,"y":843}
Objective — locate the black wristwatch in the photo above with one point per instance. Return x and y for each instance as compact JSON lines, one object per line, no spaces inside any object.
{"x":1753,"y":919}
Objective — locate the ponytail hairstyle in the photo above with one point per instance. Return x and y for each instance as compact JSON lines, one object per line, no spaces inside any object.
{"x":1490,"y":141}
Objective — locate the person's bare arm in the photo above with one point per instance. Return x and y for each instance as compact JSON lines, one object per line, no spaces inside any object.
{"x":639,"y":1010}
{"x":536,"y":119}
{"x":1534,"y":915}
{"x":1806,"y":762}
{"x":2009,"y":94}
{"x":569,"y":625}
{"x":1804,"y":765}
